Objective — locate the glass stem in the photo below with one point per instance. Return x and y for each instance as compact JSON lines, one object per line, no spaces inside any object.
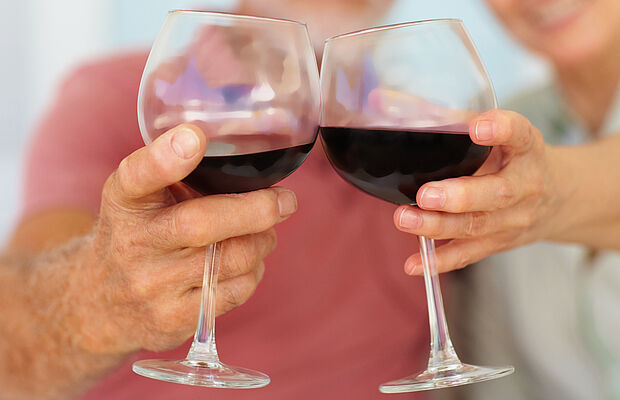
{"x":442,"y":355}
{"x":203,"y":348}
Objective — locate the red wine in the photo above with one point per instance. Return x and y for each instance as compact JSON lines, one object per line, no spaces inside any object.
{"x":393,"y":164}
{"x":238,"y":173}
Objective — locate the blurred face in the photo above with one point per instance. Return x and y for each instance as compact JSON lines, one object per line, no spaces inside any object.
{"x":566,"y":31}
{"x":325,"y":18}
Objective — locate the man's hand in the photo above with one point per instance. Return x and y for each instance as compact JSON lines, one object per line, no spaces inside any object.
{"x":148,"y":249}
{"x":73,"y":312}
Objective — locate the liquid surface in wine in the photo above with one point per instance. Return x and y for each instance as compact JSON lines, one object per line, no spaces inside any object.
{"x":238,"y":173}
{"x":393,"y":164}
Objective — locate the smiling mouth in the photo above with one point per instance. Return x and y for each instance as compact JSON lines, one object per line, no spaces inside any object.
{"x":554,"y":14}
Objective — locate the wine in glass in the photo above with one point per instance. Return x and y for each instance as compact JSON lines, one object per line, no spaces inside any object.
{"x":252,"y":85}
{"x":397,"y":102}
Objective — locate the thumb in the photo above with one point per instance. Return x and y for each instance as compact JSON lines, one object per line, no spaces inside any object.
{"x":169,"y":159}
{"x":504,"y":128}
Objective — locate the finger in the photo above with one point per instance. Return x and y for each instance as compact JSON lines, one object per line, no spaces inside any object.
{"x":456,"y":254}
{"x":234,"y":292}
{"x":437,"y":225}
{"x":170,"y":158}
{"x":184,"y":270}
{"x":202,"y":221}
{"x":504,"y":128}
{"x":244,"y":254}
{"x":469,"y":194}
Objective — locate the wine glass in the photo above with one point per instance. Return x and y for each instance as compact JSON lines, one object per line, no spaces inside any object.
{"x":397,"y":102}
{"x":252,"y":85}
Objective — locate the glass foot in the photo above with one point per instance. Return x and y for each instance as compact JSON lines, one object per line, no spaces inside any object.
{"x":438,"y":378}
{"x":212,"y":374}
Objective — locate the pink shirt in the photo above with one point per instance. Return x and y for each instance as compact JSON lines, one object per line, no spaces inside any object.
{"x":334,"y":316}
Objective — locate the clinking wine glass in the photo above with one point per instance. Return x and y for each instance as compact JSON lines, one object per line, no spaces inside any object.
{"x":252,"y":85}
{"x":397,"y":102}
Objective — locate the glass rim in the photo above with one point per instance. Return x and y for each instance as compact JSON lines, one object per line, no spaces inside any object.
{"x":394,"y":26}
{"x":225,"y":15}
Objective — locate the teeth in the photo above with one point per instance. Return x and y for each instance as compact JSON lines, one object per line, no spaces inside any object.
{"x":551,"y":12}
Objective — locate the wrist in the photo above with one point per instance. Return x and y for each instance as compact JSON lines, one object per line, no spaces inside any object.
{"x":99,"y":326}
{"x":562,"y":190}
{"x":51,"y":335}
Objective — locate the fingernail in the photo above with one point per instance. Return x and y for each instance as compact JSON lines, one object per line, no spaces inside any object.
{"x":185,"y":143}
{"x":287,"y":201}
{"x":433,"y":198}
{"x":485,"y":130}
{"x":409,"y":219}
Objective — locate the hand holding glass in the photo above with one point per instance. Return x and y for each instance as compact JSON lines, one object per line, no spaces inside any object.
{"x":251,"y":84}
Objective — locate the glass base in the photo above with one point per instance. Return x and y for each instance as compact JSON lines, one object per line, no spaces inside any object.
{"x":438,"y":378}
{"x":212,"y":374}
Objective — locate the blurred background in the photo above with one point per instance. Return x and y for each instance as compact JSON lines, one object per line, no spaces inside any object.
{"x":42,"y":41}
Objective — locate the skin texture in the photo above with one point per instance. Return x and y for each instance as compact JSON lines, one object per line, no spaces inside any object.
{"x":80,"y":294}
{"x":525,"y":192}
{"x":528,"y":191}
{"x":130,"y":279}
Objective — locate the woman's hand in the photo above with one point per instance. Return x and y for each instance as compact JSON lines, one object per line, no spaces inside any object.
{"x":509,"y":202}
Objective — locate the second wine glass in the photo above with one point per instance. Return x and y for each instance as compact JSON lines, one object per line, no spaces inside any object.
{"x":251,"y":84}
{"x":397,"y":102}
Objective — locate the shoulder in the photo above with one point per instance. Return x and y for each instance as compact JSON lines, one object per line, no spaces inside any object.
{"x":89,"y":127}
{"x":119,"y":68}
{"x":119,"y":73}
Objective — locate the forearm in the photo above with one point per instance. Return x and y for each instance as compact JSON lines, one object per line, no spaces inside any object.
{"x":44,"y":347}
{"x":587,"y":184}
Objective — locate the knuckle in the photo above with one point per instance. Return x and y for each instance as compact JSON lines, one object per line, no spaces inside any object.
{"x":503,"y":120}
{"x":525,"y":219}
{"x":272,"y":240}
{"x":108,"y":193}
{"x":260,"y":271}
{"x":536,"y":184}
{"x":232,"y":296}
{"x":462,"y":261}
{"x":181,"y":224}
{"x":477,"y":222}
{"x":451,"y":262}
{"x":156,"y":161}
{"x":462,"y":199}
{"x":265,"y":242}
{"x":122,"y":181}
{"x":495,"y":114}
{"x":139,"y":288}
{"x":110,"y":185}
{"x":523,"y":129}
{"x":267,"y":213}
{"x":159,"y":231}
{"x":239,"y":258}
{"x":505,"y":193}
{"x":433,"y":228}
